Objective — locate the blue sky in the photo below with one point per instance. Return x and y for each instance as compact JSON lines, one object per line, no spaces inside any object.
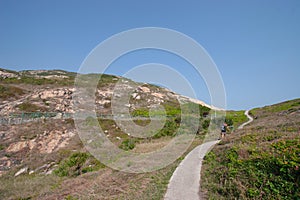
{"x":255,"y":44}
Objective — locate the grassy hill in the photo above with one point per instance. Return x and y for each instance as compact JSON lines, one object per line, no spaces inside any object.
{"x":261,"y":161}
{"x":45,"y":159}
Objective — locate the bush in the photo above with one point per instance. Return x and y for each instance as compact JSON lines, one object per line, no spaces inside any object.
{"x":77,"y":164}
{"x":205,"y":124}
{"x":169,"y":129}
{"x":128,"y":144}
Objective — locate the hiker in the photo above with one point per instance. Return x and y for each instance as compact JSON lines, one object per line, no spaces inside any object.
{"x":223,"y":131}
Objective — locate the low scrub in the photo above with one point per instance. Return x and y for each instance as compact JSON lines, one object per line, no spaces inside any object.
{"x":77,"y":164}
{"x":29,"y":107}
{"x":128,"y":144}
{"x":7,"y":92}
{"x":261,"y":161}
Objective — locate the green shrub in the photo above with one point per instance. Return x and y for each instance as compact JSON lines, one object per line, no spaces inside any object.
{"x":77,"y":164}
{"x":128,"y":144}
{"x":169,"y":128}
{"x":205,"y":124}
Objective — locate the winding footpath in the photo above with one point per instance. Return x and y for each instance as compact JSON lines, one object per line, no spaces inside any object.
{"x":250,"y":119}
{"x":185,"y":181}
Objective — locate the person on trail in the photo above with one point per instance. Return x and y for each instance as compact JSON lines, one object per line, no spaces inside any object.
{"x":223,"y":131}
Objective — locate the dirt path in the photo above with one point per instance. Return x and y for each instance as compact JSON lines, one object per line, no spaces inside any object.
{"x":185,"y":181}
{"x":249,"y":121}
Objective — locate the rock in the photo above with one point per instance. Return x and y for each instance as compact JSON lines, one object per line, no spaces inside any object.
{"x":159,"y":95}
{"x":21,"y":171}
{"x":58,"y":116}
{"x":49,"y":172}
{"x":134,"y":95}
{"x":18,"y":146}
{"x":5,"y":75}
{"x":144,"y":89}
{"x":42,"y":167}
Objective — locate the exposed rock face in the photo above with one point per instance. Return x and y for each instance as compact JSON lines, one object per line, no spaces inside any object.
{"x":54,"y":93}
{"x":5,"y":74}
{"x":144,"y":89}
{"x":44,"y":143}
{"x":18,"y":146}
{"x":51,"y":100}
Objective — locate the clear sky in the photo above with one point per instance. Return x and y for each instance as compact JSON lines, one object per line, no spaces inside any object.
{"x":255,"y":44}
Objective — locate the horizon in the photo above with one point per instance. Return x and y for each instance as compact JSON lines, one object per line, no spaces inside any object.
{"x":254,"y":44}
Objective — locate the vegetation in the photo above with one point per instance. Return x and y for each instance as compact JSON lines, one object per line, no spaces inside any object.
{"x":235,"y":118}
{"x":29,"y":107}
{"x":38,"y":81}
{"x":77,"y":164}
{"x":260,"y":162}
{"x":128,"y":144}
{"x":288,"y":106}
{"x":169,"y":129}
{"x":7,"y":92}
{"x":174,"y":109}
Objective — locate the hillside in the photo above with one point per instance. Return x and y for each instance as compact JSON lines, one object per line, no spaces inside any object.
{"x":42,"y":156}
{"x":261,"y":161}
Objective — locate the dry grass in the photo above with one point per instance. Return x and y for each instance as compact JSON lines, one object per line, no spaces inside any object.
{"x":102,"y":184}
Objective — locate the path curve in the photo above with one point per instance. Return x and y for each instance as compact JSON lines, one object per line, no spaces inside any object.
{"x":250,"y":119}
{"x":185,"y":181}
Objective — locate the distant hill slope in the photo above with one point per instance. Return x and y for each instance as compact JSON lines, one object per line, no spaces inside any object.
{"x":261,"y":161}
{"x":51,"y":91}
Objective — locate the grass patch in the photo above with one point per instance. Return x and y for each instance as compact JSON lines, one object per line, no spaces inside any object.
{"x":29,"y":107}
{"x":38,"y":81}
{"x":7,"y":92}
{"x":27,"y":186}
{"x":236,"y":118}
{"x":284,"y":106}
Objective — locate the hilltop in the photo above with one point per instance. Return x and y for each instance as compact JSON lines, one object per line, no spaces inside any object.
{"x":51,"y":91}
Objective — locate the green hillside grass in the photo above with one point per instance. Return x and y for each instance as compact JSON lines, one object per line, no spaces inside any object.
{"x":261,"y":161}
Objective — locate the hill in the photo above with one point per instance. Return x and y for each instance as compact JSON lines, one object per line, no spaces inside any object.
{"x":42,"y":156}
{"x":261,"y":161}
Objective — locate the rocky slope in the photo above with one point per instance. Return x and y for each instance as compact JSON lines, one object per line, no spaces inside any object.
{"x":38,"y":139}
{"x":41,"y":95}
